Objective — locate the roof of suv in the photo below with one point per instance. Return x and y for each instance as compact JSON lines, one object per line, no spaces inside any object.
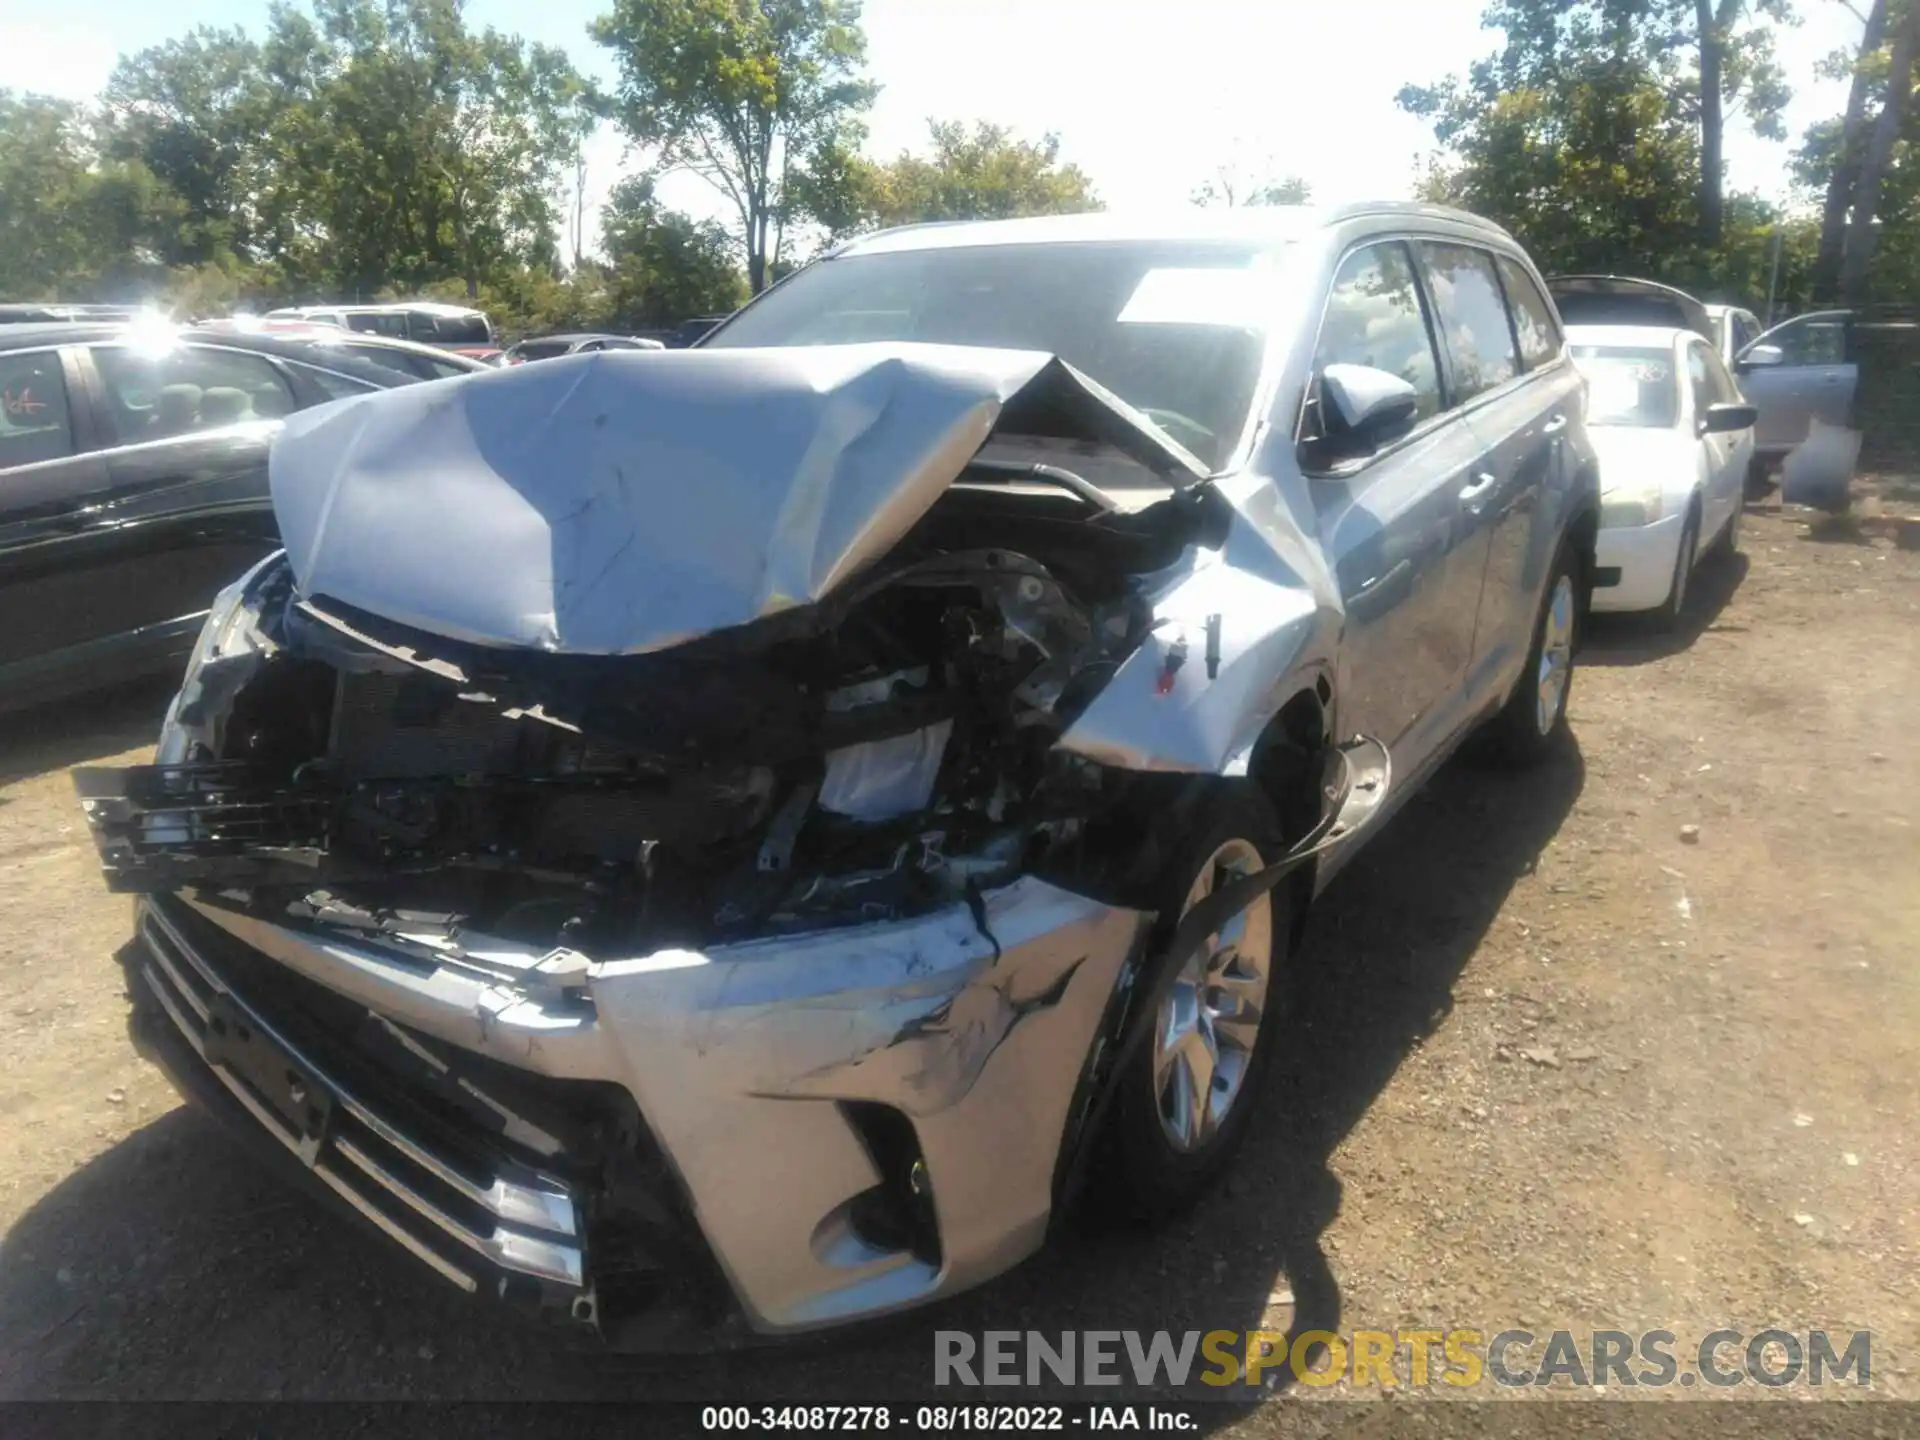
{"x":1275,"y":223}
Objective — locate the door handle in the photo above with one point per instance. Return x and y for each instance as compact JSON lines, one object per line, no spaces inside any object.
{"x":1554,"y":426}
{"x":1472,"y":495}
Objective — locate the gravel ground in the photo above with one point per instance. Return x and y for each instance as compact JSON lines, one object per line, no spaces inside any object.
{"x":1626,"y":1043}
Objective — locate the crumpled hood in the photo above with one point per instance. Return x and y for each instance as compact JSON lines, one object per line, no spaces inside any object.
{"x":622,"y":503}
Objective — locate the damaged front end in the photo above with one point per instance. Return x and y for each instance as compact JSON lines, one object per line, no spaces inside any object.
{"x":654,"y":974}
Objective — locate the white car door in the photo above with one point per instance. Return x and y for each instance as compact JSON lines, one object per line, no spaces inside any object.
{"x":1714,"y":451}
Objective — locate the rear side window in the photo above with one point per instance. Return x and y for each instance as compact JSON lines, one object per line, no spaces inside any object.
{"x":1533,"y":322}
{"x":1375,"y":317}
{"x":187,"y":389}
{"x":1473,"y":317}
{"x":378,"y":322}
{"x":34,"y":421}
{"x":450,"y":329}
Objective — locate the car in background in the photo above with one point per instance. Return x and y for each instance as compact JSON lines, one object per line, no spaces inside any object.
{"x":1734,"y":329}
{"x":1802,"y":370}
{"x":133,"y":485}
{"x":691,"y":332}
{"x":426,"y":322}
{"x":415,"y":362}
{"x":1624,"y":300}
{"x":552,"y":347}
{"x":53,"y":314}
{"x":1675,"y":438}
{"x":747,"y":840}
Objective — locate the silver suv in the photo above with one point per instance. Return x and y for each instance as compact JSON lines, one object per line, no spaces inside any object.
{"x":746,"y":839}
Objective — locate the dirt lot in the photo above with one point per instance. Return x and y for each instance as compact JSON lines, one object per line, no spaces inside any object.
{"x":1563,"y":1062}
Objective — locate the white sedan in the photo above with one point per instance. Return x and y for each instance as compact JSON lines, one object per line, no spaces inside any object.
{"x":1674,"y":436}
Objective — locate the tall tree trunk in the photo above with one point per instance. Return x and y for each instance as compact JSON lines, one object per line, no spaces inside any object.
{"x":1846,"y":161}
{"x":1712,"y":117}
{"x":1857,"y":255}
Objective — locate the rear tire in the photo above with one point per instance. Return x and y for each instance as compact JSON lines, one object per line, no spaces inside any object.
{"x":1185,"y":1100}
{"x":1534,"y":719}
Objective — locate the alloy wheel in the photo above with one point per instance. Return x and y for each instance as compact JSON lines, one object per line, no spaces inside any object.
{"x":1209,"y":1024}
{"x":1556,"y":656}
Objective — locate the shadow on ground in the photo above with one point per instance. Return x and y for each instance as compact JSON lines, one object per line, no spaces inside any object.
{"x":74,"y":732}
{"x":1636,"y":640}
{"x":171,"y":1266}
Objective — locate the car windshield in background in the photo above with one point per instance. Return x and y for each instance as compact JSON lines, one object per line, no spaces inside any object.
{"x":1629,"y":387}
{"x":541,"y":349}
{"x":1171,"y":328}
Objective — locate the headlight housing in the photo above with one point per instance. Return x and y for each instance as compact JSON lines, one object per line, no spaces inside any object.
{"x":228,"y":632}
{"x":1630,"y":509}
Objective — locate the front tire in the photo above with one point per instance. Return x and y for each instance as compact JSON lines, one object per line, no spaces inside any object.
{"x":1667,"y":617}
{"x":1185,"y":1099}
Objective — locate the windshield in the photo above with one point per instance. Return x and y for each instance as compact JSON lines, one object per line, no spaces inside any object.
{"x":1629,"y":387}
{"x":1172,"y":328}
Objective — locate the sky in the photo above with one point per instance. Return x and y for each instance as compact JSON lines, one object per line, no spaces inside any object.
{"x":1147,"y":96}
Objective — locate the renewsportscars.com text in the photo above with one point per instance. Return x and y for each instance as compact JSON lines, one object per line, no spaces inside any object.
{"x":1461,"y":1358}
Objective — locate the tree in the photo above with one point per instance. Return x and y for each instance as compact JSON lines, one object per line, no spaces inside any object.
{"x":982,"y":172}
{"x":663,"y":267}
{"x":1857,"y":252}
{"x":1229,"y":188}
{"x":190,"y":111}
{"x":73,"y":222}
{"x":1844,"y":165}
{"x":1629,"y":59}
{"x":746,"y":94}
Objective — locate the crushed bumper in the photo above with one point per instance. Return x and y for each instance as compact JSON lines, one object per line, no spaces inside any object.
{"x":788,"y":1098}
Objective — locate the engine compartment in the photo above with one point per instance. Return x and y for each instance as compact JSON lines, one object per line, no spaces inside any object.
{"x":872,"y":757}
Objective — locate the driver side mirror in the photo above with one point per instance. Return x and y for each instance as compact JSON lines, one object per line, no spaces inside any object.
{"x":1756,"y":357}
{"x":1363,"y":409}
{"x":1724,"y":419}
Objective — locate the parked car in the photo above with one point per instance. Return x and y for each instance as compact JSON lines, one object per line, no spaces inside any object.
{"x":552,"y":347}
{"x":52,"y":313}
{"x":1734,"y":329}
{"x":1624,"y":300}
{"x":1675,"y":439}
{"x":747,"y":839}
{"x":133,"y":485}
{"x":415,"y":362}
{"x":692,"y":332}
{"x":449,"y":327}
{"x":1801,"y":370}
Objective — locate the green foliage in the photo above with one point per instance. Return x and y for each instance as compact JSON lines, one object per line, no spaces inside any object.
{"x":69,"y":216}
{"x":748,"y":94}
{"x":662,"y":267}
{"x":978,"y":172}
{"x":1585,"y":134}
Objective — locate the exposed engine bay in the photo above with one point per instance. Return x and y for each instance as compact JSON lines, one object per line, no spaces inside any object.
{"x":884,"y":753}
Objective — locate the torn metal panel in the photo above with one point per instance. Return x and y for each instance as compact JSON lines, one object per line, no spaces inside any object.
{"x":612,"y":504}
